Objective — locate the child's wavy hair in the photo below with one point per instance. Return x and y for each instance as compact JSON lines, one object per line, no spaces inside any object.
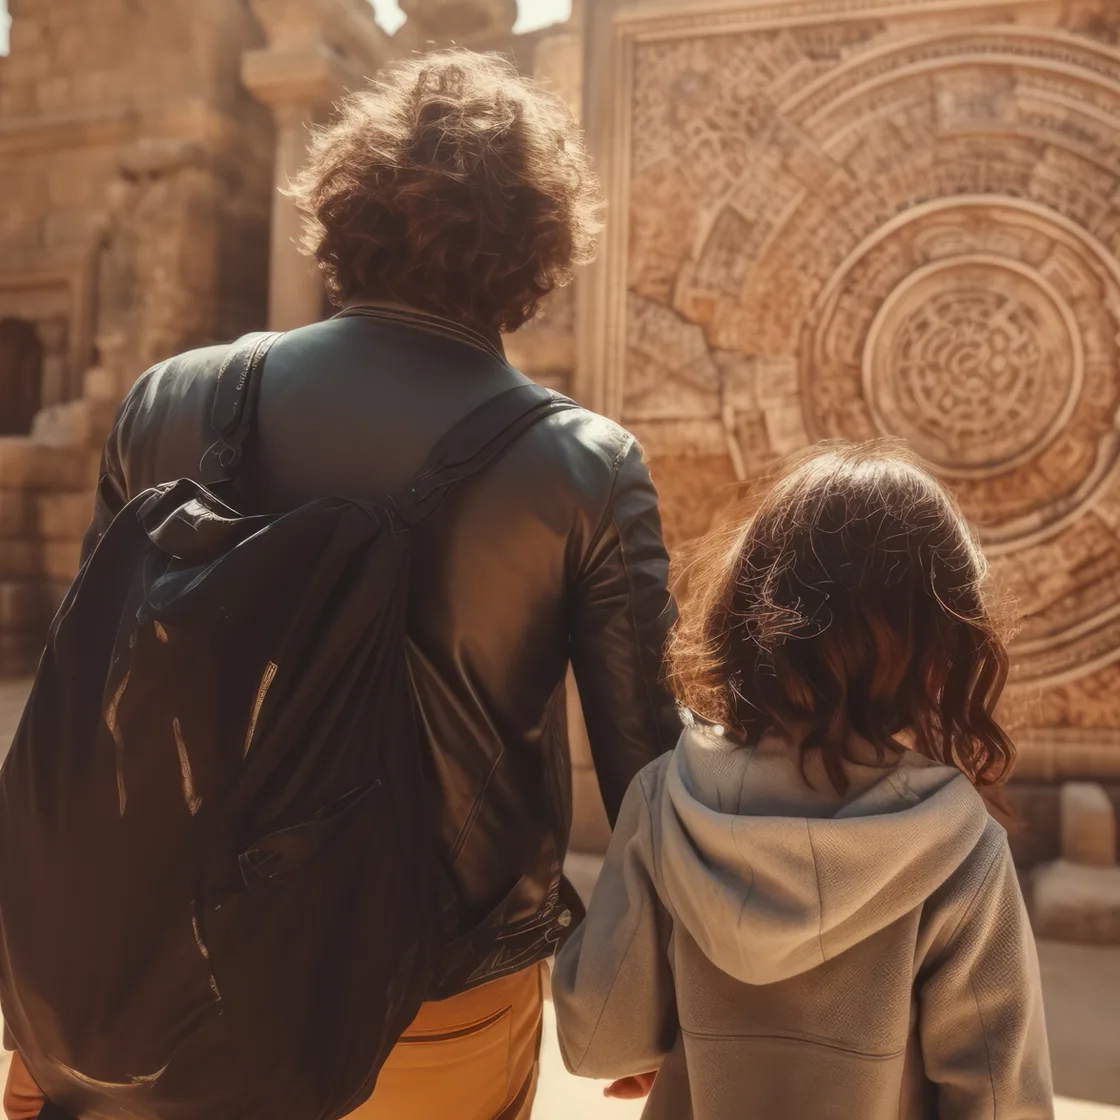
{"x":850,"y":604}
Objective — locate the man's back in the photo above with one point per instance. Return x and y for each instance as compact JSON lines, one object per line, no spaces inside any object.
{"x":552,"y":553}
{"x":455,"y":195}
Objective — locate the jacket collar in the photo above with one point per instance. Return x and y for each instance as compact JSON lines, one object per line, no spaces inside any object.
{"x":488,"y":341}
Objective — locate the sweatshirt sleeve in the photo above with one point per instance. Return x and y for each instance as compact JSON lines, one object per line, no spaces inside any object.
{"x":981,"y":1021}
{"x":612,"y":985}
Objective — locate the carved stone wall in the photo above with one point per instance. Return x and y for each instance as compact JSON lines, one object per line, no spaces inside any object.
{"x":125,"y":131}
{"x":134,"y":223}
{"x":854,"y":218}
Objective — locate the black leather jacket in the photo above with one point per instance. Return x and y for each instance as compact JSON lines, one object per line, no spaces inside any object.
{"x":553,"y":554}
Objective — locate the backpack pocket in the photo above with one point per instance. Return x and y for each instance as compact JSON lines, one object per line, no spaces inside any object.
{"x":290,"y":849}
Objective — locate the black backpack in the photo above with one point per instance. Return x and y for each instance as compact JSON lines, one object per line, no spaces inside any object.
{"x":218,"y":877}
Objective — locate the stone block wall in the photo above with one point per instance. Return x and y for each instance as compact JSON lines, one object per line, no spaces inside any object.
{"x":138,"y":176}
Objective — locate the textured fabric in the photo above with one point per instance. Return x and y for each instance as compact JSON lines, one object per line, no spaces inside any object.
{"x":552,"y":555}
{"x":777,"y":950}
{"x":471,"y":1057}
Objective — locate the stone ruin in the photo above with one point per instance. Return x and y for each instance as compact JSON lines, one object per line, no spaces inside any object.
{"x":1077,"y":897}
{"x":828,"y":219}
{"x":862,"y":218}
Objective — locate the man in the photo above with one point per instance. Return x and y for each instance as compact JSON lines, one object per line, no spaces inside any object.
{"x":442,"y":205}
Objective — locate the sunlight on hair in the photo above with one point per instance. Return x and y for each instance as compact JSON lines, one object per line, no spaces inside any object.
{"x":852,"y":608}
{"x":454,"y":185}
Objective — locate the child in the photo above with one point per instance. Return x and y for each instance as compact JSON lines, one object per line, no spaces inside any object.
{"x":806,"y":910}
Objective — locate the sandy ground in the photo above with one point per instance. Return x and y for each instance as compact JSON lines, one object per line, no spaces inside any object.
{"x":1082,"y":987}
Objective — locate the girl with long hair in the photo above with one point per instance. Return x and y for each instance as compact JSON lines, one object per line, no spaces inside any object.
{"x":807,"y":910}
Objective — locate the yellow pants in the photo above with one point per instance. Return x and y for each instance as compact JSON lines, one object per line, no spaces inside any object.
{"x":472,"y":1057}
{"x":22,"y":1097}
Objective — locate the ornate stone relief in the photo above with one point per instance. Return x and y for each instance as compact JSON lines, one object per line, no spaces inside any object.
{"x":887,"y":223}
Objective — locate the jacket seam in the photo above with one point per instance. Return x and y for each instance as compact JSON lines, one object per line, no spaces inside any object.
{"x":476,"y":810}
{"x":971,"y":979}
{"x":618,"y":972}
{"x":607,"y":998}
{"x":901,"y":782}
{"x":738,"y":1037}
{"x":605,"y":519}
{"x":987,"y":1048}
{"x":609,"y":518}
{"x":136,"y":399}
{"x":651,"y":706}
{"x":820,"y":896}
{"x":972,"y":900}
{"x":608,"y":510}
{"x":654,"y":840}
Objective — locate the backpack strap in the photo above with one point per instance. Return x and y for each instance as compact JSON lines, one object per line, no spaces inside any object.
{"x":234,"y":412}
{"x":479,"y":439}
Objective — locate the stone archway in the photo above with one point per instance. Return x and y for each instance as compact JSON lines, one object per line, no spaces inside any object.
{"x":21,"y":376}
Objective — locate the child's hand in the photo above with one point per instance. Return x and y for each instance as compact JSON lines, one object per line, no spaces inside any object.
{"x":631,"y":1088}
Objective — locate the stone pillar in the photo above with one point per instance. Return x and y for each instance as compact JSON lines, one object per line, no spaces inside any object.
{"x":558,"y":63}
{"x":317,"y":51}
{"x":1078,"y":897}
{"x":295,"y":294}
{"x":545,"y":349}
{"x":55,"y":336}
{"x":296,"y":85}
{"x":1088,"y":823}
{"x":469,"y":23}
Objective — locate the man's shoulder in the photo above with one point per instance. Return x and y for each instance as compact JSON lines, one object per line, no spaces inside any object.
{"x":588,"y":441}
{"x":163,"y":424}
{"x":174,"y":375}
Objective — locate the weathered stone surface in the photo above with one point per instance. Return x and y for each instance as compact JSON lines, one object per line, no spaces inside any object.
{"x":1036,"y":837}
{"x":886,"y":222}
{"x":25,"y":464}
{"x":138,"y":183}
{"x":27,"y":605}
{"x":63,"y":517}
{"x":40,"y":559}
{"x":101,"y":384}
{"x":841,"y":220}
{"x":459,"y":19}
{"x":1088,"y":825}
{"x":76,"y":424}
{"x":1076,"y":903}
{"x":18,"y":514}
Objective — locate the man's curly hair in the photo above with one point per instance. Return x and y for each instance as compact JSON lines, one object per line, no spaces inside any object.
{"x":452,"y":184}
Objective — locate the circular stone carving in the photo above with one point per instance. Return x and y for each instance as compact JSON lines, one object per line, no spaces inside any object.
{"x":984,"y":331}
{"x":976,"y":361}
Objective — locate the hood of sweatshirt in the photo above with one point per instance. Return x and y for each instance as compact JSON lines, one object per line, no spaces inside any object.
{"x":772,"y":877}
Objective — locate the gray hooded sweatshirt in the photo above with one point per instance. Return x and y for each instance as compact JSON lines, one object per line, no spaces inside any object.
{"x":780,"y":952}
